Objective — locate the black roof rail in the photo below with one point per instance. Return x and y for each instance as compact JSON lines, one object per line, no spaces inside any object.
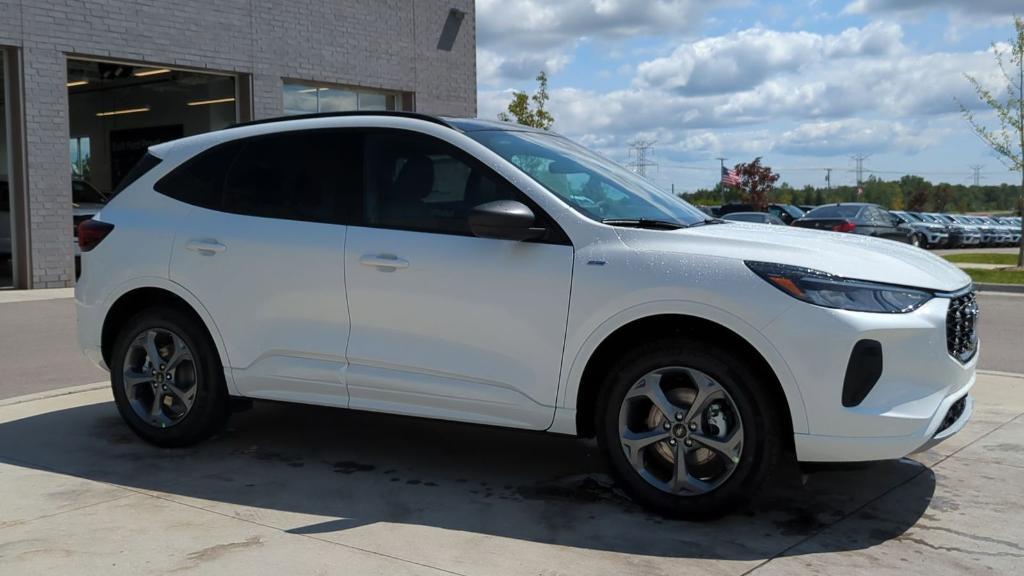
{"x":393,"y":114}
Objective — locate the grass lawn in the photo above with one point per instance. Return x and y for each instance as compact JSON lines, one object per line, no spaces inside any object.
{"x":1001,"y":259}
{"x":997,"y":276}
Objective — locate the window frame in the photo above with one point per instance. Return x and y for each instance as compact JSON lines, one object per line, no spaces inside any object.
{"x":555,"y":234}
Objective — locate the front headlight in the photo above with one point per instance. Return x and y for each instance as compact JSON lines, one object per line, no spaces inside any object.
{"x":831,"y":291}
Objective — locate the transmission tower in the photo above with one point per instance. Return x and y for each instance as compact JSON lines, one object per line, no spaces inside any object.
{"x":859,"y":159}
{"x":976,"y":169}
{"x":828,"y":178}
{"x":640,"y":152}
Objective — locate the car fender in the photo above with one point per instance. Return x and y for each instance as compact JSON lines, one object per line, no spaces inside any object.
{"x":573,"y":376}
{"x":189,"y":298}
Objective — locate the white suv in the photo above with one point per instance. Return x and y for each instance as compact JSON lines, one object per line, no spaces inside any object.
{"x":484,"y":272}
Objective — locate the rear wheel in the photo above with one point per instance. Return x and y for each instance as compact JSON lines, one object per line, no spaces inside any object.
{"x":167,"y":379}
{"x":688,"y":428}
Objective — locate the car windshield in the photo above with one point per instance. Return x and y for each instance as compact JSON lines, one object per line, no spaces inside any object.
{"x":910,"y":216}
{"x":836,"y":211}
{"x":595,"y":186}
{"x":745,"y":217}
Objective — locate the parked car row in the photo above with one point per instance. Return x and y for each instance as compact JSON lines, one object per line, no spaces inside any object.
{"x":922,"y":229}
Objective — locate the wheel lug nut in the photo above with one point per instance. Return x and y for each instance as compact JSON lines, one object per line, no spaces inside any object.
{"x":667,"y":426}
{"x":162,"y":367}
{"x":693,"y":426}
{"x":688,"y":442}
{"x":672,"y":442}
{"x":679,"y":415}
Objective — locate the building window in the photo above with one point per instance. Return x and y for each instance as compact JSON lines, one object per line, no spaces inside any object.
{"x":6,"y":213}
{"x":116,"y":111}
{"x":308,"y":98}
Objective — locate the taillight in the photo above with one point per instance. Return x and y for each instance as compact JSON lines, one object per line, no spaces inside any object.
{"x":846,"y":226}
{"x":91,"y":233}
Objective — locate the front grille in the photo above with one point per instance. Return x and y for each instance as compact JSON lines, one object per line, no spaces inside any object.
{"x":962,"y":325}
{"x":954,"y":414}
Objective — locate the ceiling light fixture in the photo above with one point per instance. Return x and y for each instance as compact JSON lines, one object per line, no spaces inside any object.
{"x":74,"y":83}
{"x":125,"y":111}
{"x":152,"y":72}
{"x":214,"y":101}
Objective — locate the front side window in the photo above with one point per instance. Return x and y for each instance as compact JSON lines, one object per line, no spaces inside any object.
{"x":595,"y":186}
{"x":414,"y":182}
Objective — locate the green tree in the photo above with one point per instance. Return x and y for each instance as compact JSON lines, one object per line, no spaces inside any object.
{"x":521,"y":110}
{"x":1007,"y":141}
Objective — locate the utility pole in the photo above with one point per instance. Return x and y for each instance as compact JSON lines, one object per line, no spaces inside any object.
{"x":976,"y":168}
{"x":721,"y":162}
{"x":639,"y":151}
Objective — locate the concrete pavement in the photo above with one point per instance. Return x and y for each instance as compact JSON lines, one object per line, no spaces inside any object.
{"x":294,"y":489}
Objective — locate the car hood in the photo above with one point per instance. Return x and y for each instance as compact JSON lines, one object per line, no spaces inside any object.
{"x":847,"y":255}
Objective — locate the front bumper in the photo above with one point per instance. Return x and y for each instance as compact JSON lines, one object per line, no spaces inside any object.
{"x":905,"y":408}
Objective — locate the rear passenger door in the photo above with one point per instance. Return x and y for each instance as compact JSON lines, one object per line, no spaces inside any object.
{"x":263,"y":251}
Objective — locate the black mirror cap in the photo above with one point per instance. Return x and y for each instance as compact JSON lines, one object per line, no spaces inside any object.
{"x":504,"y":220}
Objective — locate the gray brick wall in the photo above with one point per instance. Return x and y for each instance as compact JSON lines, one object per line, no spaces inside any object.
{"x":388,"y":44}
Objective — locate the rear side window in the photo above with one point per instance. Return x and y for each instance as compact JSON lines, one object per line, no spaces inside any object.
{"x":292,"y":176}
{"x":200,"y":181}
{"x":145,"y":164}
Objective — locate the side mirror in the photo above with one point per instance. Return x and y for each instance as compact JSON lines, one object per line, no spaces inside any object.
{"x":504,"y":220}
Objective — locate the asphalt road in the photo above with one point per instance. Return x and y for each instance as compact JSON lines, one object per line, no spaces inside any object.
{"x":39,"y":350}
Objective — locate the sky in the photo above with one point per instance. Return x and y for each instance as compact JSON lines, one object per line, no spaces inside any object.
{"x":805,"y":84}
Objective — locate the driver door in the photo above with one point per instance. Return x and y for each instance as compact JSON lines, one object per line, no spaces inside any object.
{"x":445,"y":324}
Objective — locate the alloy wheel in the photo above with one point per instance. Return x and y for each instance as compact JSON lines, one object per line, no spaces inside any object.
{"x":680,"y":430}
{"x":160,"y":378}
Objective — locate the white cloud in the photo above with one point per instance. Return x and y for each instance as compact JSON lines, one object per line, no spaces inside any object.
{"x":517,"y":38}
{"x":832,"y":138}
{"x":745,"y":59}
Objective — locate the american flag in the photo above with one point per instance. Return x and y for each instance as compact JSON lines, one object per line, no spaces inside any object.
{"x":730,"y":177}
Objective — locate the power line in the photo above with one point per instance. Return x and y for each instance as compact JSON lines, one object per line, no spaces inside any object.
{"x":639,"y":154}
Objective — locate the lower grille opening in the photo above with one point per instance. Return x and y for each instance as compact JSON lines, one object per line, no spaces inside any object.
{"x":953,"y":414}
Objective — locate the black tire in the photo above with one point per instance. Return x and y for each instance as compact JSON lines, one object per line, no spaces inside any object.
{"x":762,"y":427}
{"x":210,"y":408}
{"x":917,"y":241}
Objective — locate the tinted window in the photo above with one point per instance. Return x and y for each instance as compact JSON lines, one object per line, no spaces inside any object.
{"x":200,"y":180}
{"x":147,"y":163}
{"x":415,"y":182}
{"x":292,"y":176}
{"x":5,"y":198}
{"x":835,"y":212}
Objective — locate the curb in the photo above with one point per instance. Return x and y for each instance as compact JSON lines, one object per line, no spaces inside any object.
{"x":54,"y":393}
{"x":1004,"y":288}
{"x":1001,"y":374}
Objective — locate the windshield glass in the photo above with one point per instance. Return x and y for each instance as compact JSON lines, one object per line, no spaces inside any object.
{"x":595,"y":186}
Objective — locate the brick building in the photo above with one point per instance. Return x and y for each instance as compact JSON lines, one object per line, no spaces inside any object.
{"x":88,"y":85}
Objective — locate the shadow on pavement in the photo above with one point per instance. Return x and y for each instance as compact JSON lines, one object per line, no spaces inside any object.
{"x":348,"y":469}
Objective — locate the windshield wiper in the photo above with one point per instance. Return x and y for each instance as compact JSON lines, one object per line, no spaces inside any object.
{"x":643,"y":223}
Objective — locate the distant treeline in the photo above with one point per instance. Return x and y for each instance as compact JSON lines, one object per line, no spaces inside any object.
{"x":908,"y":193}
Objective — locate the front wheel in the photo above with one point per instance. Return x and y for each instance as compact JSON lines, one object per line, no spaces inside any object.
{"x":167,"y":379}
{"x":916,"y":241}
{"x":687,"y":428}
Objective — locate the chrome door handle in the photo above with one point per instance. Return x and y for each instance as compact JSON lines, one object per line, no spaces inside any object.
{"x":205,"y":246}
{"x":384,"y":261}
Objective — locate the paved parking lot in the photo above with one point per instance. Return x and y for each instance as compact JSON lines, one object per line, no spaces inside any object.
{"x":291,"y":489}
